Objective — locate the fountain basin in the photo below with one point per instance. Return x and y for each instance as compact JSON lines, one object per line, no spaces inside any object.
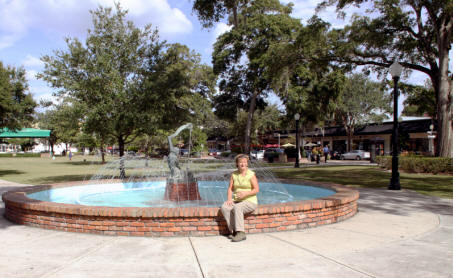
{"x":181,"y":221}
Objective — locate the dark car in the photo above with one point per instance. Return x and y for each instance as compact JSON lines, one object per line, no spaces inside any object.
{"x":214,"y":152}
{"x":272,"y":153}
{"x":183,"y":152}
{"x":335,"y":155}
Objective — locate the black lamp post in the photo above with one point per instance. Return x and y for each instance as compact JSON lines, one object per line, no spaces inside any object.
{"x":297,"y":118}
{"x":395,"y":71}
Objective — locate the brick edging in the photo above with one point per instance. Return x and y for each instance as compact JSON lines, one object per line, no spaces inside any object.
{"x":190,"y":221}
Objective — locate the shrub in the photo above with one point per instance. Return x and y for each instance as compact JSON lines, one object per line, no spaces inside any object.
{"x":291,"y":152}
{"x":384,"y":161}
{"x":20,"y":155}
{"x":418,"y":164}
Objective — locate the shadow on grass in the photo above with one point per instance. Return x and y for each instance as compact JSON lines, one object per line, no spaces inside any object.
{"x":368,"y":177}
{"x":10,"y":172}
{"x":82,"y":163}
{"x":58,"y":179}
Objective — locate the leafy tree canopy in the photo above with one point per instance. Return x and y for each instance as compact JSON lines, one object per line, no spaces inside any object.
{"x":129,"y":81}
{"x":239,"y":57}
{"x":16,"y":105}
{"x":420,"y":100}
{"x":417,"y":33}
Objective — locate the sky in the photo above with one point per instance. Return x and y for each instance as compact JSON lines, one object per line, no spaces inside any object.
{"x":30,"y":29}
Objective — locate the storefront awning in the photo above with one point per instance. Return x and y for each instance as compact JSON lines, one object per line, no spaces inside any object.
{"x":25,"y":133}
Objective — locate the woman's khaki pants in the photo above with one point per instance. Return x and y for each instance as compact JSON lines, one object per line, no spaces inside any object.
{"x":234,"y":215}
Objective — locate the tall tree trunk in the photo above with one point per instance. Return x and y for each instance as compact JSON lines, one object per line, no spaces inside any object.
{"x":121,"y":147}
{"x":51,"y":147}
{"x":445,"y":96}
{"x":249,"y":121}
{"x":350,"y":133}
{"x":103,"y":150}
{"x":235,"y":16}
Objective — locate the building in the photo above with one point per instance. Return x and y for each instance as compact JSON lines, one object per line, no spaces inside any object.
{"x":416,"y":136}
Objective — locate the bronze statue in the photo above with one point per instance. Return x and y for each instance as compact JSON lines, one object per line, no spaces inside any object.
{"x":173,"y":160}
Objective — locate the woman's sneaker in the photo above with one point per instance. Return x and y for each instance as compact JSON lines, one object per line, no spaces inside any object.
{"x":231,"y":236}
{"x":240,"y":236}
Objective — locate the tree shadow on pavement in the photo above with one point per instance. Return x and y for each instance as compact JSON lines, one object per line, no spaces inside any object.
{"x":402,"y":202}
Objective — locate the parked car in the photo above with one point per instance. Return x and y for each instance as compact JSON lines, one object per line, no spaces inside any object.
{"x":214,"y":152}
{"x":258,"y":154}
{"x":335,"y":155}
{"x":184,"y":152}
{"x":277,"y":150}
{"x":272,"y":153}
{"x":356,"y":154}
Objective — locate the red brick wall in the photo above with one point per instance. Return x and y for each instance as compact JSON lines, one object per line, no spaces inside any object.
{"x":192,"y":221}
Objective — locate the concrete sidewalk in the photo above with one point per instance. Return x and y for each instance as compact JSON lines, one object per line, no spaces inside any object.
{"x":395,"y":234}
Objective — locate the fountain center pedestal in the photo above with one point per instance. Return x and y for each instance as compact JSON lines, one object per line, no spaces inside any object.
{"x":184,"y":188}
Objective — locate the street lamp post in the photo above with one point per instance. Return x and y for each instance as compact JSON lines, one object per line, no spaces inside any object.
{"x":297,"y":118}
{"x":395,"y":71}
{"x":431,"y":137}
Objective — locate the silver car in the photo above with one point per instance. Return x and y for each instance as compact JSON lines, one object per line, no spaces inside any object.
{"x":356,"y":154}
{"x":258,"y":154}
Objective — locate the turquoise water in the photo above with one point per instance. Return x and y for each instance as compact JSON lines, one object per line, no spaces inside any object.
{"x":151,"y":194}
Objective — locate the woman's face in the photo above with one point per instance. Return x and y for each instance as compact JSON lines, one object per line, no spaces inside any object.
{"x":242,"y":163}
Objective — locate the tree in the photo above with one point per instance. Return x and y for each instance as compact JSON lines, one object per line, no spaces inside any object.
{"x":238,"y":53}
{"x":210,"y":11}
{"x":104,"y":74}
{"x":268,"y":119}
{"x":129,"y":81}
{"x":361,"y":102}
{"x":417,"y":33}
{"x":303,"y":76}
{"x":63,"y":120}
{"x":16,"y":106}
{"x":420,"y":100}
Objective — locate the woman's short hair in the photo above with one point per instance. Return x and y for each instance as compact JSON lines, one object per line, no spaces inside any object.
{"x":241,"y":156}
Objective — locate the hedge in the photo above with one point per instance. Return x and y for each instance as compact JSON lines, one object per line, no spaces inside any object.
{"x":418,"y":164}
{"x":20,"y":155}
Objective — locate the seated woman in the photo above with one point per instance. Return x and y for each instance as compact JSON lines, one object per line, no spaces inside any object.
{"x":241,"y":198}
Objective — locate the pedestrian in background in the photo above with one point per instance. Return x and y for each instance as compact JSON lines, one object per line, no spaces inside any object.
{"x":326,"y":152}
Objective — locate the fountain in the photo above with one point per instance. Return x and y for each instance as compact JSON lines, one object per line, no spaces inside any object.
{"x":174,"y":197}
{"x":181,"y":185}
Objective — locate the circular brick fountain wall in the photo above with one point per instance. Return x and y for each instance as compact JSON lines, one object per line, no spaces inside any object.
{"x":189,"y":221}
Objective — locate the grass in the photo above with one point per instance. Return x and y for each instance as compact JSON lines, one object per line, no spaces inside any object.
{"x":371,"y":177}
{"x":37,"y":171}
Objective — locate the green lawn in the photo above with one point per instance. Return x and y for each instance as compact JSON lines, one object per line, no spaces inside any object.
{"x":39,"y":171}
{"x":34,"y":170}
{"x":371,"y":177}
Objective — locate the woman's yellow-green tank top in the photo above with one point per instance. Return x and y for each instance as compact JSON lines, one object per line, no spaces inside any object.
{"x":243,"y":183}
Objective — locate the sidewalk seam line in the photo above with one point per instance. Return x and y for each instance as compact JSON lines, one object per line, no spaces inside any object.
{"x":320,"y":255}
{"x":196,"y":257}
{"x":78,"y":258}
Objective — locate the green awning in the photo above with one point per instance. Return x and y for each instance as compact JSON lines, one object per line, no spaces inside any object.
{"x":25,"y":133}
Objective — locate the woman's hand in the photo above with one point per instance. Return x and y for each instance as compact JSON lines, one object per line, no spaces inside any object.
{"x":229,"y":202}
{"x":241,"y":194}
